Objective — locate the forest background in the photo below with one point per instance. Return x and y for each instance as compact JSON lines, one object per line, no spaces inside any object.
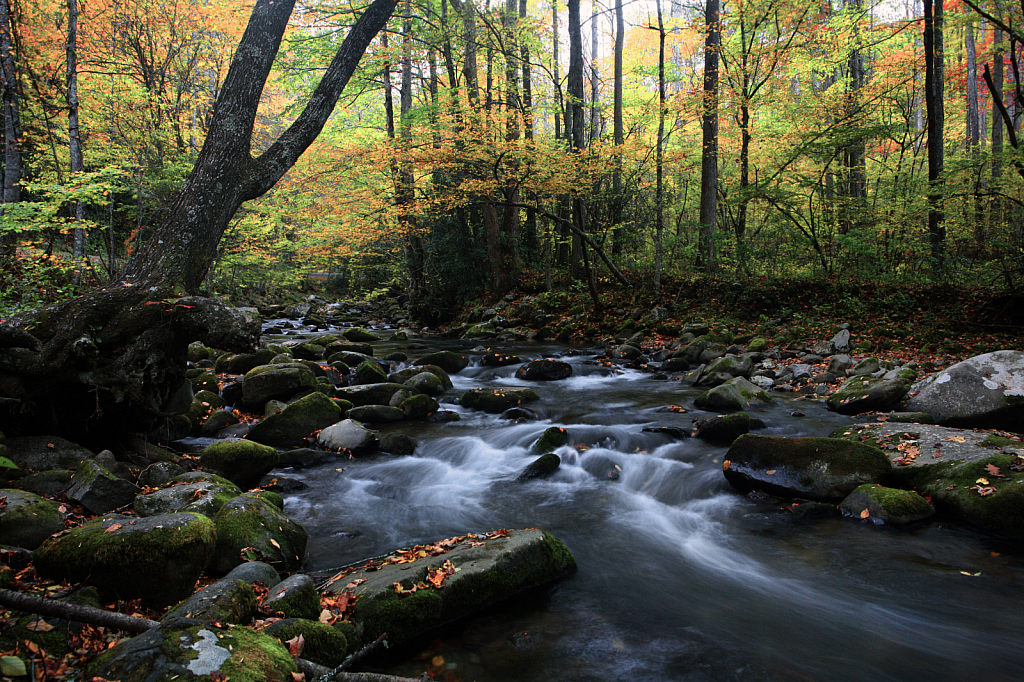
{"x":483,"y":144}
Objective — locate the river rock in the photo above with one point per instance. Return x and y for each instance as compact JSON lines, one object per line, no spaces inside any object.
{"x":308,"y":351}
{"x":369,"y":394}
{"x":216,"y":422}
{"x":54,"y":482}
{"x":553,"y":437}
{"x":294,"y":597}
{"x":296,"y":421}
{"x":450,"y":361}
{"x":254,"y":572}
{"x":520,"y":414}
{"x":724,"y":429}
{"x":189,"y":650}
{"x":348,"y":347}
{"x":241,"y":363}
{"x":446,"y":381}
{"x":250,"y":529}
{"x":542,"y":467}
{"x":324,"y":644}
{"x":280,"y":382}
{"x":504,"y":565}
{"x":545,"y":369}
{"x":735,"y":394}
{"x":865,"y":367}
{"x":229,"y":600}
{"x":499,"y":359}
{"x":369,"y":372}
{"x":821,"y":469}
{"x":867,"y":394}
{"x":419,"y":406}
{"x":360,"y":335}
{"x":42,"y":453}
{"x":348,"y":358}
{"x":397,"y":444}
{"x":723,"y":369}
{"x":242,"y":462}
{"x":625,"y":352}
{"x":442,"y":417}
{"x":497,"y":400}
{"x":426,"y":382}
{"x":986,"y":391}
{"x":376,"y":414}
{"x":157,"y":559}
{"x":201,"y":497}
{"x":347,"y":434}
{"x":886,"y":505}
{"x":26,"y":519}
{"x":99,"y":490}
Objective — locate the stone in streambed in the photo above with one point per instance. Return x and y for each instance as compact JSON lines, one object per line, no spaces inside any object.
{"x":347,"y":434}
{"x":449,"y":361}
{"x":43,"y":453}
{"x":542,"y":467}
{"x":734,"y":395}
{"x":99,"y":490}
{"x":544,"y":370}
{"x":426,"y":382}
{"x":325,"y":645}
{"x":376,"y":414}
{"x":985,"y":391}
{"x":27,"y":520}
{"x":249,"y":528}
{"x":243,"y":462}
{"x":294,"y":597}
{"x":360,"y":335}
{"x":296,"y":421}
{"x":419,"y":406}
{"x":369,"y":394}
{"x":227,"y":601}
{"x":397,"y":444}
{"x":724,"y":429}
{"x":276,"y":382}
{"x":552,"y":438}
{"x":867,"y":394}
{"x":497,"y":400}
{"x":201,"y":497}
{"x":886,"y":505}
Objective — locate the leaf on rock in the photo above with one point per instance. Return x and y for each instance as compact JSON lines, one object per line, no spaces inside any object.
{"x":993,"y":470}
{"x":864,"y":514}
{"x":113,"y":527}
{"x":275,"y":543}
{"x":956,"y":439}
{"x":39,"y":625}
{"x":295,"y":645}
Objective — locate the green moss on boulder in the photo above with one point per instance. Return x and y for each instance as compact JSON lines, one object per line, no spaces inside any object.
{"x":296,"y":421}
{"x":242,"y":462}
{"x":497,"y":400}
{"x":324,"y":644}
{"x":27,"y":519}
{"x":251,"y":529}
{"x":886,"y":505}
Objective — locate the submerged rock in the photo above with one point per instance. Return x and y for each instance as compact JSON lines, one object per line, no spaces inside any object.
{"x":886,"y":505}
{"x":544,"y":370}
{"x":497,"y":400}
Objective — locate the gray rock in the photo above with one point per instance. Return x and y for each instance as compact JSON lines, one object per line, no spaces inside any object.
{"x":296,"y":421}
{"x":542,"y":467}
{"x":42,"y":453}
{"x":801,"y":372}
{"x":449,"y":361}
{"x":426,"y":382}
{"x":735,"y":394}
{"x":986,"y":391}
{"x":26,"y":519}
{"x":725,"y":368}
{"x":865,"y":367}
{"x":838,"y":364}
{"x":496,"y":401}
{"x":98,"y":490}
{"x":160,"y":473}
{"x":201,"y":497}
{"x":865,"y":394}
{"x":419,"y":406}
{"x":251,"y":529}
{"x":376,"y":414}
{"x":545,"y":369}
{"x":254,"y":572}
{"x":348,"y":435}
{"x":280,"y":382}
{"x":886,"y":505}
{"x":54,"y":482}
{"x":225,"y":601}
{"x":370,"y":394}
{"x":295,"y":597}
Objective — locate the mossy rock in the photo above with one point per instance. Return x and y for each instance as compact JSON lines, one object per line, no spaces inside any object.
{"x":553,"y":438}
{"x":243,"y":462}
{"x":43,"y":453}
{"x":242,"y":363}
{"x":280,"y":382}
{"x":820,"y":469}
{"x":360,"y":335}
{"x":188,"y":650}
{"x":397,"y":444}
{"x":497,"y":400}
{"x":26,"y":520}
{"x":226,"y":601}
{"x":296,"y":421}
{"x":757,"y":345}
{"x":251,"y":529}
{"x":348,"y":434}
{"x":419,"y":406}
{"x":201,"y":497}
{"x":325,"y":644}
{"x":207,"y":381}
{"x":733,"y":395}
{"x":375,"y":414}
{"x":370,"y":372}
{"x":348,"y":347}
{"x":489,"y":574}
{"x":54,"y":482}
{"x":450,"y":361}
{"x":426,"y":382}
{"x":542,"y":467}
{"x":866,"y":394}
{"x":294,"y":597}
{"x":99,"y":490}
{"x":886,"y":505}
{"x":369,"y":394}
{"x":724,"y":429}
{"x":725,"y":368}
{"x":217,"y":421}
{"x":544,"y":369}
{"x":157,"y":559}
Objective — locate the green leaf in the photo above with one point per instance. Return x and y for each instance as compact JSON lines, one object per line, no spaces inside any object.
{"x":7,"y":464}
{"x":12,"y":666}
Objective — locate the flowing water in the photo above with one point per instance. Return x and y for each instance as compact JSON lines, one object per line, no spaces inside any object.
{"x":680,"y":577}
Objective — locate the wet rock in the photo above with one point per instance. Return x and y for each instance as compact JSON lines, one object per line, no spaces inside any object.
{"x":553,"y":437}
{"x":305,"y":457}
{"x":419,"y":406}
{"x":325,"y":645}
{"x":160,"y":473}
{"x":99,"y":490}
{"x":886,"y":505}
{"x":276,"y":382}
{"x":449,"y":361}
{"x":347,"y":434}
{"x":675,"y":365}
{"x":442,"y":416}
{"x":426,"y":382}
{"x":294,"y":597}
{"x":254,"y":572}
{"x":502,"y":567}
{"x":496,"y":401}
{"x":360,"y":335}
{"x":542,"y":467}
{"x":376,"y":414}
{"x":296,"y":421}
{"x":723,"y":369}
{"x":724,"y":429}
{"x":735,"y":394}
{"x":54,"y":482}
{"x":250,"y":529}
{"x":157,"y":559}
{"x":42,"y":453}
{"x":242,"y":363}
{"x":397,"y":444}
{"x":26,"y":519}
{"x":625,"y":352}
{"x":201,"y":497}
{"x":820,"y":469}
{"x":242,"y":462}
{"x":226,"y":601}
{"x":369,"y":394}
{"x":499,"y":360}
{"x":867,"y":394}
{"x":520,"y":414}
{"x":545,"y":369}
{"x":369,"y":372}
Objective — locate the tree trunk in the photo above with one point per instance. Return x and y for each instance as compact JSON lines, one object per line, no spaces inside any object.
{"x":112,"y":362}
{"x":933,"y":54}
{"x":531,"y":238}
{"x":709,"y":137}
{"x":74,"y":139}
{"x":995,"y":208}
{"x":12,"y":124}
{"x":618,"y":130}
{"x":659,"y":156}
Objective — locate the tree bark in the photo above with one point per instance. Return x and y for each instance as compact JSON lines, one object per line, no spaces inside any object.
{"x":618,"y":130}
{"x":659,"y":156}
{"x":74,"y":138}
{"x":933,"y":54}
{"x":709,"y":139}
{"x":12,"y":123}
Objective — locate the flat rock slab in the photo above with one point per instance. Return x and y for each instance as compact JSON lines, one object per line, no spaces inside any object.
{"x":478,"y":572}
{"x":929,"y":444}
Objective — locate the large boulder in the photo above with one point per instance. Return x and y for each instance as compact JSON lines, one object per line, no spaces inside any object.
{"x":820,"y":469}
{"x":189,"y":650}
{"x":229,"y":600}
{"x":724,"y":429}
{"x":723,"y":369}
{"x":734,"y":395}
{"x":545,"y":369}
{"x":986,"y":391}
{"x":157,"y":559}
{"x":294,"y":597}
{"x":250,"y":529}
{"x":474,"y":574}
{"x":43,"y":453}
{"x":369,"y":394}
{"x":542,"y":467}
{"x":370,"y":372}
{"x":496,"y":400}
{"x":26,"y":519}
{"x":242,"y":462}
{"x":426,"y":382}
{"x":99,"y":490}
{"x":324,"y":644}
{"x":276,"y":382}
{"x":201,"y":497}
{"x":296,"y":421}
{"x":360,"y":335}
{"x":449,"y":361}
{"x":347,"y":434}
{"x":866,"y":394}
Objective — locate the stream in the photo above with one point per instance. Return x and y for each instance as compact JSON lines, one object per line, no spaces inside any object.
{"x":680,"y":577}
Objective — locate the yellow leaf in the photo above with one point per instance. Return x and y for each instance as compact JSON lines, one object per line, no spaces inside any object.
{"x":864,"y":514}
{"x":274,"y":543}
{"x":325,"y":616}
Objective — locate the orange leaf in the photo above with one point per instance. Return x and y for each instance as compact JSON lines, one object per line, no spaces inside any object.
{"x":864,"y":514}
{"x":295,"y":645}
{"x":113,"y":527}
{"x":993,"y":470}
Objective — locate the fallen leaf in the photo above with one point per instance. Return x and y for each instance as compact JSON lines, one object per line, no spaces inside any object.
{"x":864,"y":514}
{"x":726,"y":464}
{"x":993,"y":470}
{"x":982,"y":481}
{"x":39,"y":625}
{"x":274,"y":543}
{"x":771,"y":472}
{"x":112,"y":528}
{"x":298,"y":677}
{"x":295,"y":645}
{"x":325,"y":617}
{"x":957,"y":439}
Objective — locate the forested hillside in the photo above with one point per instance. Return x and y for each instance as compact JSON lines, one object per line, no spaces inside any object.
{"x":585,"y":144}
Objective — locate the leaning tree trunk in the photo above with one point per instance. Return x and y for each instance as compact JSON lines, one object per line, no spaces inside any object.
{"x":112,"y":362}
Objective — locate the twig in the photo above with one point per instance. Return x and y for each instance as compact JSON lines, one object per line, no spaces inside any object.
{"x":314,"y":671}
{"x":76,"y":612}
{"x":349,"y":662}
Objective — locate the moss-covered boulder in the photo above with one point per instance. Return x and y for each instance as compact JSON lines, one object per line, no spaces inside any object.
{"x":157,"y":559}
{"x":325,"y":645}
{"x":734,"y":395}
{"x":758,"y":344}
{"x":349,"y":435}
{"x":54,"y":482}
{"x":375,"y":414}
{"x":251,"y":529}
{"x":499,"y":359}
{"x":99,"y":490}
{"x":370,"y":372}
{"x":472,"y":579}
{"x":883,"y":505}
{"x":867,"y":394}
{"x":296,"y":421}
{"x":397,"y":444}
{"x":243,"y":462}
{"x":218,"y":421}
{"x":403,"y":375}
{"x":26,"y":519}
{"x":348,"y":347}
{"x":821,"y":469}
{"x":725,"y":368}
{"x":226,"y":601}
{"x":43,"y":453}
{"x":360,"y":335}
{"x":545,"y":369}
{"x":294,"y":597}
{"x":724,"y":429}
{"x":242,"y":363}
{"x":450,"y":361}
{"x":189,"y":650}
{"x":553,"y":437}
{"x":497,"y":400}
{"x":369,"y":394}
{"x":276,"y":382}
{"x":426,"y":382}
{"x":201,"y":497}
{"x":542,"y":467}
{"x":419,"y":406}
